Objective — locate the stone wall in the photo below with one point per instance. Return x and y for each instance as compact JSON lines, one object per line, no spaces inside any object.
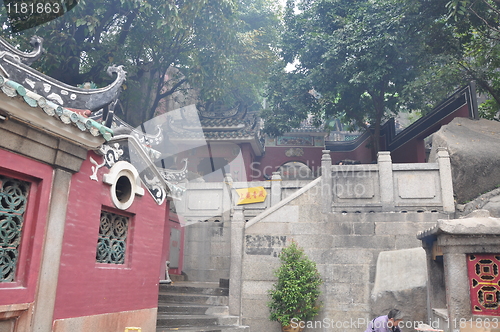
{"x":345,"y":247}
{"x":207,"y":248}
{"x":343,"y":230}
{"x":205,"y":211}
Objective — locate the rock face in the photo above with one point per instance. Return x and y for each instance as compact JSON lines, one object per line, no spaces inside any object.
{"x":474,"y":148}
{"x":493,"y":206}
{"x":401,"y":283}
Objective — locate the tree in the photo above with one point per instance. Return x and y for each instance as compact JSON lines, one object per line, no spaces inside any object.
{"x":294,"y":296}
{"x":203,"y":39}
{"x":356,"y":60}
{"x":476,"y":27}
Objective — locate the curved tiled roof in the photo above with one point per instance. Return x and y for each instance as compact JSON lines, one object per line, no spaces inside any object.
{"x":68,"y":117}
{"x":229,"y":123}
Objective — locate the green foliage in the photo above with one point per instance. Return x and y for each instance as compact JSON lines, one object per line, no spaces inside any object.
{"x":358,"y":56}
{"x":489,"y":110}
{"x":296,"y":292}
{"x":475,"y":28}
{"x":221,"y":48}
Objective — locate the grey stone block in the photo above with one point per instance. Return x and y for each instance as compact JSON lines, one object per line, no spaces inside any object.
{"x":52,"y":142}
{"x":348,"y":293}
{"x":256,"y":287}
{"x":343,"y":273}
{"x":289,"y":213}
{"x":312,"y":241}
{"x":260,"y":325}
{"x":259,"y":267}
{"x":396,"y":228}
{"x":66,"y":147}
{"x":353,"y":228}
{"x":68,"y":161}
{"x":269,"y":228}
{"x":388,"y":217}
{"x":347,"y":256}
{"x":221,"y":248}
{"x":308,"y":228}
{"x":349,"y":217}
{"x":385,"y":242}
{"x":220,"y":262}
{"x":407,"y":242}
{"x":255,"y":309}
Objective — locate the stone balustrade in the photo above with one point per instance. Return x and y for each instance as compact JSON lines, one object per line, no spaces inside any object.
{"x":385,"y":186}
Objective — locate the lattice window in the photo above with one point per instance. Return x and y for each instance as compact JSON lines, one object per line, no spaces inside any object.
{"x":13,"y":201}
{"x":112,"y":238}
{"x":484,"y":280}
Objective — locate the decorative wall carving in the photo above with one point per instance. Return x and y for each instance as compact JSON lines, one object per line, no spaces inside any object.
{"x":13,"y":200}
{"x":484,"y":279}
{"x":111,"y":245}
{"x":294,"y":152}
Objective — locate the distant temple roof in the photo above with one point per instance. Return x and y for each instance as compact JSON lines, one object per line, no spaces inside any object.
{"x":234,"y":124}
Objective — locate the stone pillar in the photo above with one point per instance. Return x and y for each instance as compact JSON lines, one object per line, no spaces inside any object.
{"x":237,"y":234}
{"x":386,"y":180}
{"x":457,"y":287}
{"x":275,"y":188}
{"x":326,"y":182}
{"x":51,"y":256}
{"x":227,"y":189}
{"x":443,"y":160}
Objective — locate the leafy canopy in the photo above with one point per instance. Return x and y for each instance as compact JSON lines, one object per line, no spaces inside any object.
{"x":211,"y":43}
{"x":358,"y":61}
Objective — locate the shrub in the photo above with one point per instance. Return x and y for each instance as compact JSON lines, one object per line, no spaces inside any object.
{"x":295,"y":293}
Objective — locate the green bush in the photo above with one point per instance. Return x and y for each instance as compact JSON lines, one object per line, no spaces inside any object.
{"x":295,"y":293}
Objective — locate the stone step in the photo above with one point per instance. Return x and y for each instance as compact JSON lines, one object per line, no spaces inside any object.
{"x":165,"y":320}
{"x":167,"y":297}
{"x":195,"y":288}
{"x":192,"y":309}
{"x":205,"y":329}
{"x":196,"y":306}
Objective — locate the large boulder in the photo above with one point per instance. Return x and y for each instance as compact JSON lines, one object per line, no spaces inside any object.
{"x":401,"y":283}
{"x":474,"y":147}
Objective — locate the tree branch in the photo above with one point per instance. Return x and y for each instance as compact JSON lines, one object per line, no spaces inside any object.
{"x":160,"y":96}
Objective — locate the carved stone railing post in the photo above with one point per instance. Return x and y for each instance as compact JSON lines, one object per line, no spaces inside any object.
{"x":227,"y":197}
{"x":237,"y":235}
{"x":386,"y":180}
{"x":326,"y":181}
{"x":443,"y":160}
{"x":275,"y":188}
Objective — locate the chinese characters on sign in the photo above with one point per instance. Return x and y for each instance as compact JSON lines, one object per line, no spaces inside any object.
{"x":251,"y":195}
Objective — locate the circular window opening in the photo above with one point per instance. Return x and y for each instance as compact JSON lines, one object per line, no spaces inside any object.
{"x":123,"y":189}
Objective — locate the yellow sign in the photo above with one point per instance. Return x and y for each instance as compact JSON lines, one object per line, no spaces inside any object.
{"x":251,"y":195}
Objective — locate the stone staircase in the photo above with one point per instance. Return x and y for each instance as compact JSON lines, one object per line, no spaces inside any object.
{"x":195,"y":306}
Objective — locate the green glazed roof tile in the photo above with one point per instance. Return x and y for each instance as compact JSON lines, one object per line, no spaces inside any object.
{"x":66,"y":116}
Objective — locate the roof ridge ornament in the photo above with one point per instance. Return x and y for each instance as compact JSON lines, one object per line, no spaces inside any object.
{"x":26,"y":58}
{"x":15,"y":65}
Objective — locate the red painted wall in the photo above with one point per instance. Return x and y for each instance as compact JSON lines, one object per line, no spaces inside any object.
{"x":275,"y":157}
{"x":414,"y":150}
{"x":411,"y":152}
{"x":89,"y":288}
{"x":40,"y":176}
